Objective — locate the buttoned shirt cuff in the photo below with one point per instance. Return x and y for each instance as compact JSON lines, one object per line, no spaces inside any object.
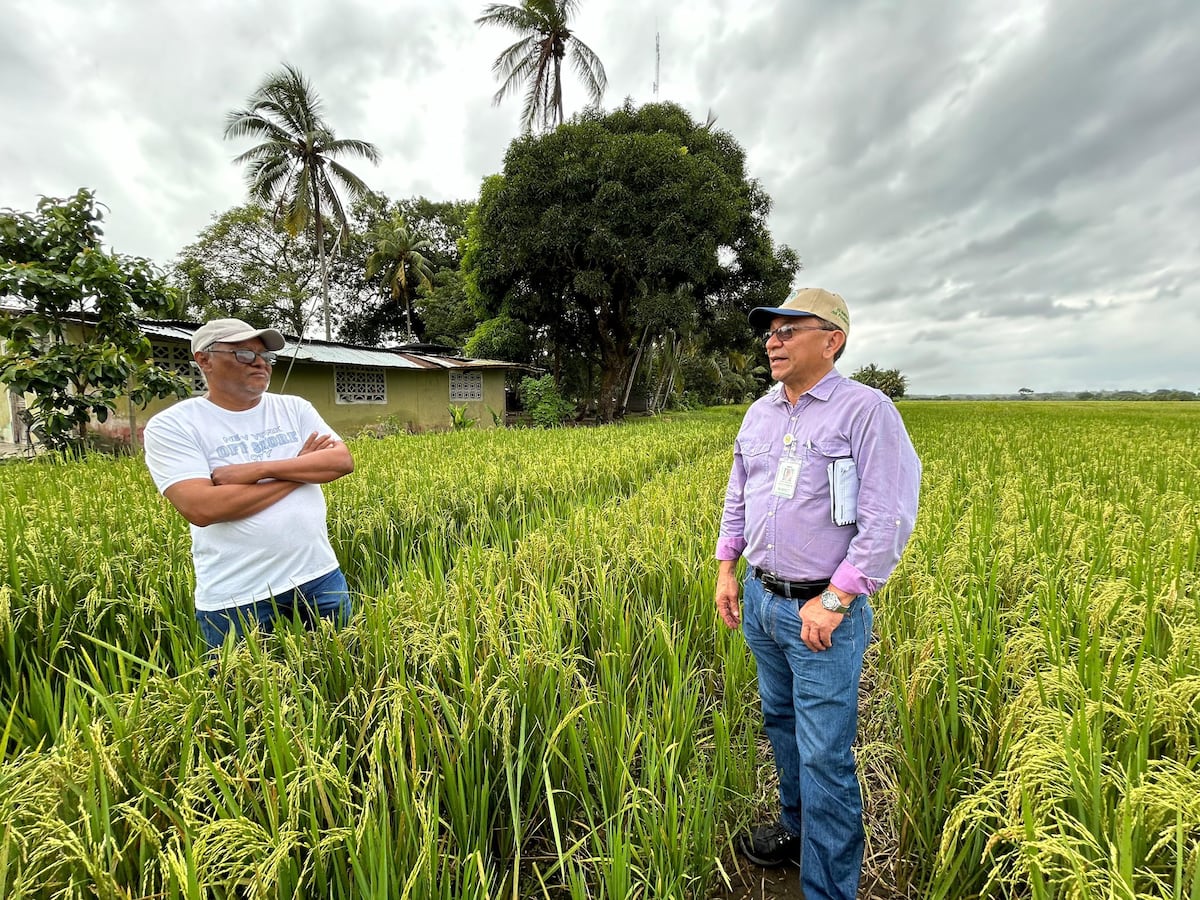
{"x":729,"y":548}
{"x":847,"y":577}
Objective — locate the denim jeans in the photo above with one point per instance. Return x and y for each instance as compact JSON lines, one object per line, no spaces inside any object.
{"x":810,"y":712}
{"x":326,"y":597}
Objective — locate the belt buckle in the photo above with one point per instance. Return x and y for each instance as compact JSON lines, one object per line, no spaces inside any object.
{"x":775,"y":585}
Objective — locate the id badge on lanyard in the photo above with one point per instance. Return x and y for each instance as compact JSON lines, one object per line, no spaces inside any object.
{"x":788,"y":473}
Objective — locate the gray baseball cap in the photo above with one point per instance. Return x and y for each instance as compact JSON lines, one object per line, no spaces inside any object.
{"x":232,"y":331}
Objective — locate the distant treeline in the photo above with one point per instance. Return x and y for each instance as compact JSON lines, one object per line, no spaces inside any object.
{"x":1163,"y":394}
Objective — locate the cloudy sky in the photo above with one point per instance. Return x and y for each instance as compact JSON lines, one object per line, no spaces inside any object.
{"x":1007,"y":193}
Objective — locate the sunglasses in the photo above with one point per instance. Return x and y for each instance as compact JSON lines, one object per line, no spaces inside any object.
{"x":785,"y":332}
{"x":247,"y":357}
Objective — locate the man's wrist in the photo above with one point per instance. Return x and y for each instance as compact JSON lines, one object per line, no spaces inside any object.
{"x":835,"y":600}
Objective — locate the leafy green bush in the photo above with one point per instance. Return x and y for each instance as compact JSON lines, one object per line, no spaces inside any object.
{"x":459,"y":420}
{"x":542,"y":400}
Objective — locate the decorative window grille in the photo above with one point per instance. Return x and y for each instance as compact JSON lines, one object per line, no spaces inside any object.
{"x":466,"y":386}
{"x":177,"y":358}
{"x":359,"y":384}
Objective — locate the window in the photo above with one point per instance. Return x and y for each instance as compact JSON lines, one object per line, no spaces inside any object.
{"x":466,"y":386}
{"x":359,"y":384}
{"x":177,"y":358}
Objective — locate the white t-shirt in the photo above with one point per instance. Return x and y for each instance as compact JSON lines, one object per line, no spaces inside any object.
{"x":272,"y":551}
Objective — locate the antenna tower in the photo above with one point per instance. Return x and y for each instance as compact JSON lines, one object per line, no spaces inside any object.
{"x":657,"y":62}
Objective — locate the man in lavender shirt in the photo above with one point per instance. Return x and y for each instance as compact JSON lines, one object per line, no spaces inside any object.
{"x":822,"y":498}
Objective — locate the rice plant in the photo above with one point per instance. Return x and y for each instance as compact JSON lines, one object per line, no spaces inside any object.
{"x":536,"y":699}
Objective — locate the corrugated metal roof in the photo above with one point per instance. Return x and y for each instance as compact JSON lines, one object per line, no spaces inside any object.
{"x":167,"y":329}
{"x":341,"y":354}
{"x":347,"y":355}
{"x":326,"y":352}
{"x":332,"y":353}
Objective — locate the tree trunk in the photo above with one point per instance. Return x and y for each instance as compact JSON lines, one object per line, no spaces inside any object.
{"x":320,"y":230}
{"x":408,"y":315}
{"x":612,"y":367}
{"x":637,"y":359}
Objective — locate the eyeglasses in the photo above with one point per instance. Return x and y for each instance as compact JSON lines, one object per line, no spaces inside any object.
{"x":785,"y":332}
{"x":247,"y":357}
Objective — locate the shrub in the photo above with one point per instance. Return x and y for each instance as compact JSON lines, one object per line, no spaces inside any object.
{"x":542,"y":400}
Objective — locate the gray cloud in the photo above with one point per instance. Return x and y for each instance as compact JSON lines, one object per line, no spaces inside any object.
{"x":1003,"y":192}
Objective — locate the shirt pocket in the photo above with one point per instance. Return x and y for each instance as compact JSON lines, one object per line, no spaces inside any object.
{"x":814,"y":476}
{"x":756,"y":457}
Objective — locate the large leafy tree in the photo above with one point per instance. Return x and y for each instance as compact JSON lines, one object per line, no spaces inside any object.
{"x":295,"y":168}
{"x":246,"y":264}
{"x":77,"y":347}
{"x":618,"y":229}
{"x":399,"y":257}
{"x":534,"y":62}
{"x":440,"y":313}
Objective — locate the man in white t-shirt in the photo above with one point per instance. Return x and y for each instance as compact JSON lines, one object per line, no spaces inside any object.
{"x":244,"y":467}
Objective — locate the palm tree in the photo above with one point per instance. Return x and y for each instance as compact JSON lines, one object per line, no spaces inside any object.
{"x":537,"y":57}
{"x":294,"y":169}
{"x":397,"y":250}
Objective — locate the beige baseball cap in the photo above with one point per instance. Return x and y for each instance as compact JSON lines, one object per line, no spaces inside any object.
{"x":232,"y":331}
{"x":805,"y":302}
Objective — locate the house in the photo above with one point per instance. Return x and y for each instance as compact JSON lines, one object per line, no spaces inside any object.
{"x":352,"y":387}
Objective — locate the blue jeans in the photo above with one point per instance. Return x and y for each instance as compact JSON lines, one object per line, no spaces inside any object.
{"x":326,"y":597}
{"x":810,"y":712}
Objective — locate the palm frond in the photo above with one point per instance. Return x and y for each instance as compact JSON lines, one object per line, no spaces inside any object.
{"x":519,"y":54}
{"x":271,"y":178}
{"x":296,"y":206}
{"x":514,"y":18}
{"x":264,"y":151}
{"x":249,"y":123}
{"x":590,"y":70}
{"x":540,"y":99}
{"x":519,"y":74}
{"x":362,"y":149}
{"x":337,"y":212}
{"x":355,"y":186}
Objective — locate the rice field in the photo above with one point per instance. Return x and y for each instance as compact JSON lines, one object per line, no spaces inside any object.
{"x":536,"y":698}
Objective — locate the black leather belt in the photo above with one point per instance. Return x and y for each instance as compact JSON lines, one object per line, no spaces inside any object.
{"x":792,"y":590}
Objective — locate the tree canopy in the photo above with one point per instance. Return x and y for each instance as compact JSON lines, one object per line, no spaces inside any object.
{"x":399,"y":257}
{"x":77,"y":348}
{"x":368,"y":311}
{"x":890,"y":381}
{"x":621,"y":226}
{"x":247,"y":265}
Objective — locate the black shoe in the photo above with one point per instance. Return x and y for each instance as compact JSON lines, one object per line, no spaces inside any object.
{"x":770,"y":846}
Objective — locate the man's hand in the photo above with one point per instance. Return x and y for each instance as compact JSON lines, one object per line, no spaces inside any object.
{"x":727,"y":594}
{"x":818,"y":623}
{"x":238,"y":473}
{"x":316,"y":442}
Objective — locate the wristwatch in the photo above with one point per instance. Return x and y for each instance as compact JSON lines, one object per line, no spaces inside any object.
{"x":833,"y":602}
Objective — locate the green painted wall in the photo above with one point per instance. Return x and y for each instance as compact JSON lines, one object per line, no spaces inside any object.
{"x":417,"y":400}
{"x":6,"y":429}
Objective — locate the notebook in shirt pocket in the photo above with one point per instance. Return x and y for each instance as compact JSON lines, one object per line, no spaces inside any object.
{"x":814,"y":477}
